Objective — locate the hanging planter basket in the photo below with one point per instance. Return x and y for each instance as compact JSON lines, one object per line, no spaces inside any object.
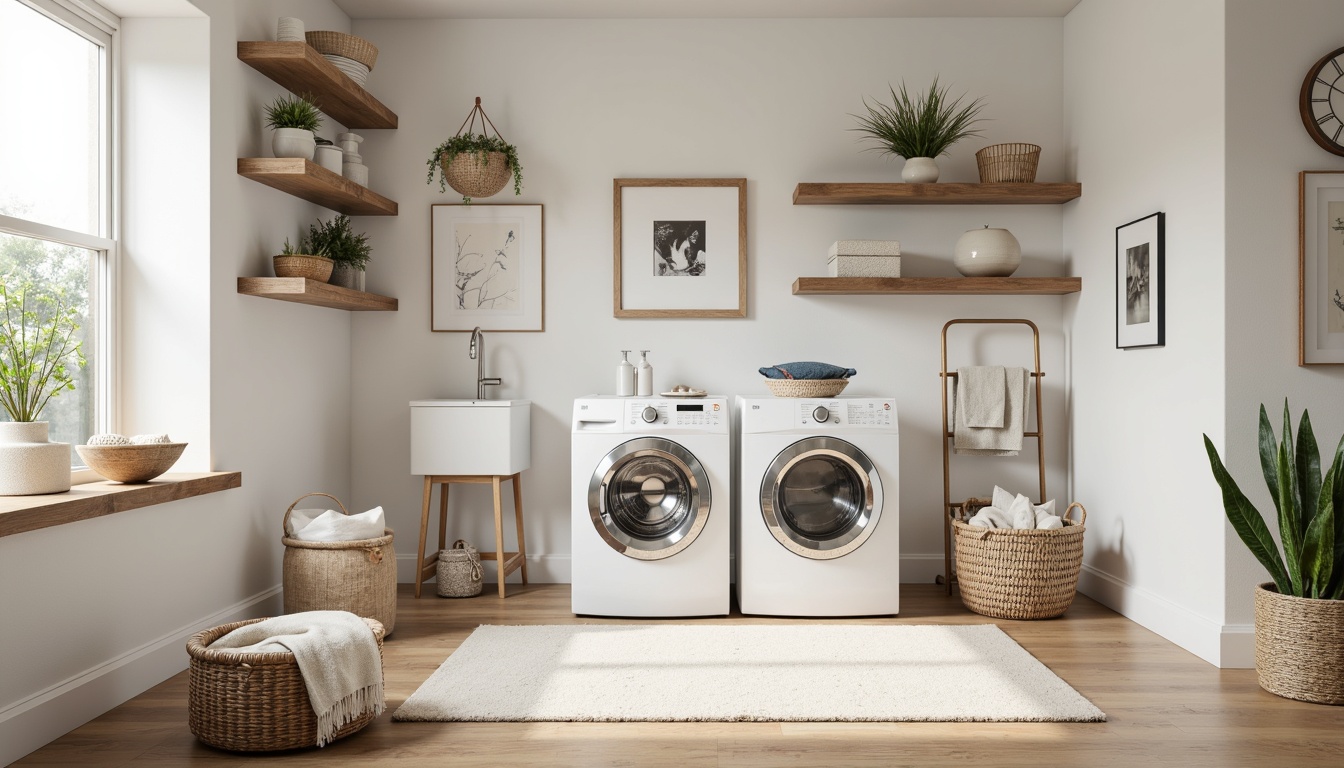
{"x":476,"y":164}
{"x":476,"y":174}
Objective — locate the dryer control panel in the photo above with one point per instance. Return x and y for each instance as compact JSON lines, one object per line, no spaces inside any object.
{"x":858,"y":412}
{"x":710,"y":414}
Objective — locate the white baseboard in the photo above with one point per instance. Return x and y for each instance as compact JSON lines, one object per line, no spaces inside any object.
{"x":37,"y":720}
{"x":1230,"y":646}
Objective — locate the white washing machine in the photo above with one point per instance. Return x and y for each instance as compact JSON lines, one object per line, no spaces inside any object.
{"x":651,"y":506}
{"x":818,"y":528}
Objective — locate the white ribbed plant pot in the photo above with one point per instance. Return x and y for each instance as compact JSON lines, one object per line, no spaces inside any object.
{"x":293,"y":142}
{"x":987,"y":252}
{"x":920,"y":170}
{"x":29,"y":463}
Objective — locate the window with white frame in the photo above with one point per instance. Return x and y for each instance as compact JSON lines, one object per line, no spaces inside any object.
{"x":57,"y":200}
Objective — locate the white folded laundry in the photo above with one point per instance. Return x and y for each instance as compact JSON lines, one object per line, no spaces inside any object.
{"x":1048,"y":523}
{"x":991,"y":517}
{"x":1021,"y":513}
{"x":330,"y":525}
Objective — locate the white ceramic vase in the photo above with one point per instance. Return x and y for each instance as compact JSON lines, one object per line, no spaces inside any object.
{"x":987,"y":252}
{"x":347,"y":277}
{"x":289,"y":29}
{"x":29,"y":463}
{"x":294,"y":142}
{"x":329,"y":157}
{"x":919,"y":170}
{"x":356,"y":172}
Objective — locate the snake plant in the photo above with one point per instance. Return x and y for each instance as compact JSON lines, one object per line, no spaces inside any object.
{"x":1310,"y":508}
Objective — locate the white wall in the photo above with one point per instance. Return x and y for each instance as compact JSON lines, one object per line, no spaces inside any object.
{"x":591,"y":100}
{"x":1144,"y":125}
{"x":1269,"y":49}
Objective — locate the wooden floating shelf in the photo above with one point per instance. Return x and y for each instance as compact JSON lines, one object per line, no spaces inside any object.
{"x":310,"y":181}
{"x":305,"y":291}
{"x":937,"y":286}
{"x":935,"y":194}
{"x":302,"y":70}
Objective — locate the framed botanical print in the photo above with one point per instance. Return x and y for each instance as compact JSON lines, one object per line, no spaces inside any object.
{"x":1140,"y":283}
{"x":1320,"y":287}
{"x":680,"y":248}
{"x":487,"y":267}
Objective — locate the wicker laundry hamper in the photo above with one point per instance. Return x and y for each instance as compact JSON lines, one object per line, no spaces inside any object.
{"x":1017,"y":574}
{"x":460,"y":571}
{"x":254,"y":702}
{"x":355,"y":576}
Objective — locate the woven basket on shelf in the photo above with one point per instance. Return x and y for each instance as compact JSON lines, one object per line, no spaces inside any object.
{"x":476,"y":174}
{"x":341,"y":44}
{"x":1299,"y":646}
{"x":254,"y":702}
{"x":1008,"y":163}
{"x":302,"y":265}
{"x":1017,"y":574}
{"x":459,"y":573}
{"x":355,"y":576}
{"x":806,"y":387}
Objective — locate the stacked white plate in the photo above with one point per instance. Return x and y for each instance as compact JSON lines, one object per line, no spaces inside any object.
{"x":353,"y":69}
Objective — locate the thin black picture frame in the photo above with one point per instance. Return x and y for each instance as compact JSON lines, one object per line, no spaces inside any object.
{"x":1150,"y":229}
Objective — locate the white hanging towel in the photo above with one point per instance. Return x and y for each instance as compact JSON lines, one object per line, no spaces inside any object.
{"x":993,"y":441}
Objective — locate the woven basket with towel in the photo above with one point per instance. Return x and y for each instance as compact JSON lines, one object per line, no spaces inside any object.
{"x":337,"y":562}
{"x":459,"y":573}
{"x":806,"y":379}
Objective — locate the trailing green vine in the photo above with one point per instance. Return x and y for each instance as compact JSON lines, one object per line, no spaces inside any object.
{"x":479,"y":145}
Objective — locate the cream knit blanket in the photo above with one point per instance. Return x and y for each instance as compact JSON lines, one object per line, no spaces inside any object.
{"x":337,"y":655}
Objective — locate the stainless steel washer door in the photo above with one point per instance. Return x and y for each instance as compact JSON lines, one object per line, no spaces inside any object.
{"x":649,"y":498}
{"x":818,"y":498}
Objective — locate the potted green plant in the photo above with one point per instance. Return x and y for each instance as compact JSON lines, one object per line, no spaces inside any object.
{"x":919,"y":129}
{"x":302,"y":261}
{"x":294,"y":119}
{"x":475,"y":165}
{"x":349,"y":251}
{"x":38,"y":348}
{"x":1299,"y":616}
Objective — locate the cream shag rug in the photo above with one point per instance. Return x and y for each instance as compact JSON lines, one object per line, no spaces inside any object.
{"x":666,"y":672}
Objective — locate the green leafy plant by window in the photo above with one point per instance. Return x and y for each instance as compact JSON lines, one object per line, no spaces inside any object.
{"x":925,"y":126}
{"x":37,"y":348}
{"x":1311,"y":510}
{"x":293,"y":112}
{"x":480,"y":146}
{"x":338,"y":242}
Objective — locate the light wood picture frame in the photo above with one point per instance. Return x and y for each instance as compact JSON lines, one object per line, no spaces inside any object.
{"x":487,"y":267}
{"x":1320,"y":268}
{"x":680,"y":248}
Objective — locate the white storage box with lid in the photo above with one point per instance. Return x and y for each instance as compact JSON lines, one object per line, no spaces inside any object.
{"x":471,"y":437}
{"x":864,"y":258}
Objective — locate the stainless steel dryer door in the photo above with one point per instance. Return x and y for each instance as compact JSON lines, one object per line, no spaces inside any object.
{"x":819,"y":498}
{"x":649,"y":498}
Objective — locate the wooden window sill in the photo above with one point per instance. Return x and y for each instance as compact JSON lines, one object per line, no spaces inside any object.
{"x":19,"y":514}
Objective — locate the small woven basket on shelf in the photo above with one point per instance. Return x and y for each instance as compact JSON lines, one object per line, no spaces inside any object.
{"x":1000,"y":163}
{"x":459,"y":573}
{"x":1299,"y":646}
{"x":1017,"y":574}
{"x":356,"y":576}
{"x":341,"y":44}
{"x":806,"y":387}
{"x":254,"y":702}
{"x":302,"y":265}
{"x":476,"y":174}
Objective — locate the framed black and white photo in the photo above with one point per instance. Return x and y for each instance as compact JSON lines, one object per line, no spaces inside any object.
{"x":487,"y":267}
{"x":1320,"y":304}
{"x":1140,"y":283}
{"x":680,"y":248}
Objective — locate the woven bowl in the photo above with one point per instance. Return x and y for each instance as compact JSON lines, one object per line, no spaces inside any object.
{"x":131,"y":463}
{"x":806,"y":387}
{"x":302,"y":265}
{"x":474,"y":176}
{"x":1008,"y":163}
{"x":341,"y":44}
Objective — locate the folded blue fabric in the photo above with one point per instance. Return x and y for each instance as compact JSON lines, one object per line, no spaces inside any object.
{"x":807,"y":370}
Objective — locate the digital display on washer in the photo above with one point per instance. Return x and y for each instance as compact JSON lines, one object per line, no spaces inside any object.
{"x":681,"y":407}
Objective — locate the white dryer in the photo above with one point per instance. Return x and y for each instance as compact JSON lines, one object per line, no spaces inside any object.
{"x":651,"y":506}
{"x":818,"y":528}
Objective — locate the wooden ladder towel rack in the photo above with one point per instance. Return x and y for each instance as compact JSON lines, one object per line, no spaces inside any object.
{"x":1039,"y":433}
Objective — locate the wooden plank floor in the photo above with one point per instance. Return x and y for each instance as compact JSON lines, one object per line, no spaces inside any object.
{"x":1166,"y":707}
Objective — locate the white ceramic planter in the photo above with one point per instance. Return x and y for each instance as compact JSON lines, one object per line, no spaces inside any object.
{"x":329,"y":157}
{"x":988,"y":252}
{"x":294,"y":142}
{"x":29,"y":463}
{"x":920,"y":170}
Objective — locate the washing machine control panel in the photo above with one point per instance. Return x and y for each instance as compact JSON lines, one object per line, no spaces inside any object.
{"x":859,"y":413}
{"x":676,"y":414}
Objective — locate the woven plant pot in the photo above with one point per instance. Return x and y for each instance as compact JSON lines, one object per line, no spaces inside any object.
{"x":1299,"y":646}
{"x":806,"y":387}
{"x":476,"y":174}
{"x":355,"y":576}
{"x":254,"y":702}
{"x":1014,"y":163}
{"x":1017,"y":574}
{"x":303,"y":265}
{"x":341,"y":44}
{"x":459,"y":572}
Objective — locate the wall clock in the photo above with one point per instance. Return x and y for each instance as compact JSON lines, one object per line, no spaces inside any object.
{"x":1322,"y":102}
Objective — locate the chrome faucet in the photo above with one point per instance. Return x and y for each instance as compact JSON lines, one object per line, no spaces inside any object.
{"x":477,"y":353}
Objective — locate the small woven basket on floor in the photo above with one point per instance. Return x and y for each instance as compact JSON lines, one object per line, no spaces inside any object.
{"x":254,"y":702}
{"x":459,"y":573}
{"x":1008,"y":163}
{"x":476,"y":174}
{"x":341,"y":44}
{"x":1017,"y":574}
{"x":1299,"y":646}
{"x":806,"y":387}
{"x":355,"y":576}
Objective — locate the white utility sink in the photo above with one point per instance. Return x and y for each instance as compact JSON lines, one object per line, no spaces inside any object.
{"x":470,"y":437}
